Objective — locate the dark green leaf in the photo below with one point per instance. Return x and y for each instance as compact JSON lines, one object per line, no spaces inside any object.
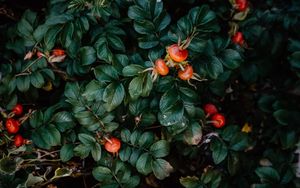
{"x":219,"y":151}
{"x":113,"y":95}
{"x":66,"y":152}
{"x":160,"y":148}
{"x":267,"y":175}
{"x":161,"y":168}
{"x":87,"y":55}
{"x":143,"y":164}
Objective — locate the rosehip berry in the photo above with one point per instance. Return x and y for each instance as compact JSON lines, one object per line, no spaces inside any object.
{"x":238,"y":38}
{"x":58,"y":52}
{"x":210,"y":109}
{"x":177,"y":54}
{"x":19,"y":140}
{"x":12,"y":126}
{"x":18,"y":109}
{"x":187,"y":73}
{"x":161,"y":67}
{"x":218,"y":120}
{"x":113,"y":145}
{"x":241,"y":5}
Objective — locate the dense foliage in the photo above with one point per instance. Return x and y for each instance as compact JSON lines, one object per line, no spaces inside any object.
{"x":150,"y":93}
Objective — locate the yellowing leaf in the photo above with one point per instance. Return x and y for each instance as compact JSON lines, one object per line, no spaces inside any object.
{"x":48,"y":86}
{"x":247,"y":128}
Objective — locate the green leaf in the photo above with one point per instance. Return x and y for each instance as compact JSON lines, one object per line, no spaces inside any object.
{"x":82,"y":151}
{"x":115,"y":42}
{"x":101,"y":173}
{"x":125,"y":135}
{"x":267,"y":175}
{"x":113,"y":95}
{"x":282,"y":116}
{"x":136,"y":13}
{"x":214,"y":68}
{"x":239,"y":142}
{"x":51,"y":36}
{"x":58,"y":19}
{"x":143,"y":164}
{"x":233,"y":163}
{"x":140,"y":86}
{"x":146,"y":139}
{"x":161,"y":168}
{"x":61,"y":172}
{"x":132,"y":70}
{"x":72,"y":91}
{"x":37,"y":80}
{"x":32,"y":180}
{"x":87,"y":55}
{"x":63,"y":121}
{"x":8,"y":165}
{"x":46,"y":136}
{"x":190,"y":182}
{"x":66,"y":152}
{"x":96,"y":152}
{"x":172,"y":108}
{"x":125,"y":153}
{"x":103,"y":52}
{"x":160,"y":148}
{"x":23,"y":83}
{"x":106,"y":73}
{"x":144,"y":27}
{"x":193,"y":134}
{"x":37,"y":119}
{"x":86,"y":139}
{"x":231,"y":58}
{"x":219,"y":151}
{"x":134,"y":137}
{"x":148,"y":41}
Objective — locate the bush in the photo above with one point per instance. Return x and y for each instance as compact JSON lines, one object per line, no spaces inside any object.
{"x":150,"y":93}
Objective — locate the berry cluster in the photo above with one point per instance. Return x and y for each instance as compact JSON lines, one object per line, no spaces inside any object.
{"x":56,"y":55}
{"x":217,"y":119}
{"x":176,"y":56}
{"x":241,"y":6}
{"x":12,"y":125}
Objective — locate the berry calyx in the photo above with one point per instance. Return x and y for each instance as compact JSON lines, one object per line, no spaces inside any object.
{"x":161,"y":67}
{"x":19,"y":140}
{"x":112,"y":145}
{"x":18,"y":109}
{"x":58,"y":52}
{"x":39,"y":54}
{"x":218,"y":120}
{"x":187,"y":73}
{"x":210,"y":109}
{"x":12,"y":126}
{"x":238,"y":38}
{"x":176,"y":53}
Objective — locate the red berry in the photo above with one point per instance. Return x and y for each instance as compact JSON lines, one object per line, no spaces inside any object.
{"x":218,"y":120}
{"x":18,"y":109}
{"x":161,"y":67}
{"x":187,"y":73}
{"x":238,"y":38}
{"x":19,"y":140}
{"x":241,"y":5}
{"x":58,"y":52}
{"x":210,"y":109}
{"x":113,"y":145}
{"x":12,"y":126}
{"x":177,"y":54}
